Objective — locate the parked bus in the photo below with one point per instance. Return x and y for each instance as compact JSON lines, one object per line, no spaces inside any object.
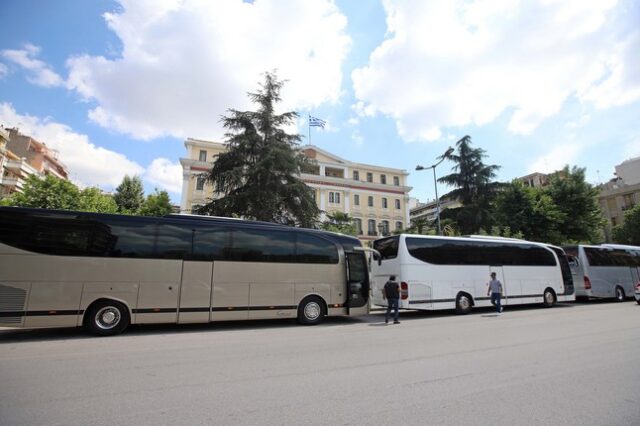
{"x":605,"y":271}
{"x":453,"y":272}
{"x":102,"y":271}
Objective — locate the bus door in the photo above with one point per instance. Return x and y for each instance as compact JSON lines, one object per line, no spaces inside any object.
{"x":357,"y":282}
{"x":195,"y":292}
{"x":506,"y":290}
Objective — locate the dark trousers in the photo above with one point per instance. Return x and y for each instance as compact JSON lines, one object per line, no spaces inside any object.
{"x":392,"y":303}
{"x":495,"y":300}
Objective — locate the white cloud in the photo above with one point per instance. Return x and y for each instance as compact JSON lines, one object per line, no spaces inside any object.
{"x":3,"y":70}
{"x":88,"y":164}
{"x":457,"y":63}
{"x":166,"y":174}
{"x":357,"y":137}
{"x":632,"y":149}
{"x":557,"y":158}
{"x":184,"y":63}
{"x":39,"y":73}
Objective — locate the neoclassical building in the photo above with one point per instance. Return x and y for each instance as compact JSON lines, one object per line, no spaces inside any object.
{"x":376,"y":197}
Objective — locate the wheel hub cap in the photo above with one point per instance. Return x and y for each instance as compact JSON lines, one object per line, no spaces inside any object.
{"x":312,"y":311}
{"x":107,"y":318}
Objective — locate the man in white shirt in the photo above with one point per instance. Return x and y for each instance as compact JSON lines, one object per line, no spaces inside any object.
{"x":495,"y":291}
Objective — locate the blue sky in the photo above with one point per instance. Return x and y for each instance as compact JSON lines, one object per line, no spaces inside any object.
{"x":116,"y":87}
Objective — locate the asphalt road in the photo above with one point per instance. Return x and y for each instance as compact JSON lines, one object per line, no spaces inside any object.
{"x":575,"y":364}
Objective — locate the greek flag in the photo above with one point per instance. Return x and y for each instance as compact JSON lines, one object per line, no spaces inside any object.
{"x":316,"y":122}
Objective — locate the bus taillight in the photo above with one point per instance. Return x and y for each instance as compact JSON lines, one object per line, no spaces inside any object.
{"x":587,"y":283}
{"x":404,"y":291}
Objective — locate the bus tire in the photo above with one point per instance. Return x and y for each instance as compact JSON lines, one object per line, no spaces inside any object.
{"x":549,"y":298}
{"x":107,"y":318}
{"x":464,"y":302}
{"x":619,"y":294}
{"x":311,"y":311}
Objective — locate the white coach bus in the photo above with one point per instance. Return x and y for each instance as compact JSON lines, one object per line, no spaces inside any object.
{"x":453,"y":272}
{"x":605,"y":271}
{"x":62,"y":268}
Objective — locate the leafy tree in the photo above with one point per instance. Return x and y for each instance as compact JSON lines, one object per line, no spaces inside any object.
{"x":257,"y":176}
{"x":421,"y":225}
{"x":629,"y":231}
{"x":581,"y":219}
{"x":48,"y":193}
{"x":474,"y":188}
{"x":339,"y":222}
{"x":156,"y":204}
{"x":528,"y":212}
{"x":94,"y":200}
{"x":129,"y":195}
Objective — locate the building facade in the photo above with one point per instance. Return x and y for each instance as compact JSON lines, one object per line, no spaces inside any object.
{"x":620,"y":194}
{"x":22,"y":156}
{"x":377,"y":198}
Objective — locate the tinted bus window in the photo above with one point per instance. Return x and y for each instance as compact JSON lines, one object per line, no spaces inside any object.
{"x":388,"y":247}
{"x":456,"y":252}
{"x":312,"y":249}
{"x":126,"y":237}
{"x":262,"y":245}
{"x":174,"y":241}
{"x":211,"y":243}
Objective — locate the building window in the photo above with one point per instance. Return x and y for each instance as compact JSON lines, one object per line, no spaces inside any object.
{"x":356,"y":175}
{"x":199,"y":183}
{"x":385,"y":227}
{"x":371,"y":227}
{"x":384,"y":203}
{"x":334,"y":198}
{"x":614,"y":222}
{"x":356,"y":200}
{"x":202,"y":156}
{"x":383,"y":179}
{"x":369,"y":177}
{"x":358,"y":224}
{"x":398,"y":226}
{"x":397,"y":204}
{"x":396,"y":181}
{"x":370,"y":201}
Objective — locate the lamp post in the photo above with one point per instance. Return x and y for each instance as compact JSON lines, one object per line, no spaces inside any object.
{"x":444,"y":156}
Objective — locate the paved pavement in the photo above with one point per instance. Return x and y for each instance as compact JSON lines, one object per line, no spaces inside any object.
{"x":575,"y":364}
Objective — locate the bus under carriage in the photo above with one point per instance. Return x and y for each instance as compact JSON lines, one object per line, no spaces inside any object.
{"x":62,"y":268}
{"x":453,"y":272}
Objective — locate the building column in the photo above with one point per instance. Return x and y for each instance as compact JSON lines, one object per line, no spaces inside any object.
{"x":347,"y":201}
{"x":186,"y":176}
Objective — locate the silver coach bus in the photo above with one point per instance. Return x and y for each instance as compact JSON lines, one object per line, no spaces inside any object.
{"x":605,"y":271}
{"x":104,"y":272}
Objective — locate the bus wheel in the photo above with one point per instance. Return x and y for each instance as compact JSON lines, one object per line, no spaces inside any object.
{"x":463,"y":304}
{"x":619,"y":294}
{"x":311,"y":311}
{"x":549,"y":298}
{"x":107,"y":317}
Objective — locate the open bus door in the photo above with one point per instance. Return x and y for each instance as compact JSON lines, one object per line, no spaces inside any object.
{"x":357,"y":281}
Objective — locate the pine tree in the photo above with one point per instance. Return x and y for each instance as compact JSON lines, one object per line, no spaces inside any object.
{"x":129,"y":195}
{"x":256,"y":177}
{"x":474,"y":187}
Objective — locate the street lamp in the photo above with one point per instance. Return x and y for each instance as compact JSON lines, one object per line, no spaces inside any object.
{"x":444,"y":156}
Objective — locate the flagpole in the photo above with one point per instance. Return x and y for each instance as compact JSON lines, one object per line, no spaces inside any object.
{"x":309,"y":127}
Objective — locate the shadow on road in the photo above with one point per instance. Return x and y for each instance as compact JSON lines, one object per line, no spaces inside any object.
{"x":374,"y":319}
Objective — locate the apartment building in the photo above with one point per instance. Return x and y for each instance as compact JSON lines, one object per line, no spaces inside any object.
{"x":376,"y":197}
{"x":620,"y":194}
{"x":37,"y":154}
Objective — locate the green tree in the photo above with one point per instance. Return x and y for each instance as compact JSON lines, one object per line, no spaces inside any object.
{"x":421,"y":226}
{"x":94,"y":200}
{"x":129,"y":195}
{"x":156,"y":204}
{"x":629,"y":231}
{"x":472,"y":180}
{"x":529,"y":212}
{"x":339,"y":222}
{"x":257,"y":176}
{"x":48,"y":193}
{"x":577,"y":200}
